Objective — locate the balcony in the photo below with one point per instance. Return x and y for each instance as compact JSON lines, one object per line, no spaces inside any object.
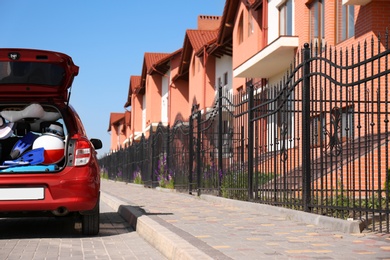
{"x":356,"y":2}
{"x":270,"y":61}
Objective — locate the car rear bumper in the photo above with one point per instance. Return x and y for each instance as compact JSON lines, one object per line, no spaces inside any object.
{"x":72,"y":189}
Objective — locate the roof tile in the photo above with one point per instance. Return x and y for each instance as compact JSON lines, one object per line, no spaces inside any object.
{"x":114,"y":118}
{"x":152,"y":58}
{"x":200,"y":38}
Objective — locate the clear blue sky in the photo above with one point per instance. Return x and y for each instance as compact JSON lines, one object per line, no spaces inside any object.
{"x":107,"y":39}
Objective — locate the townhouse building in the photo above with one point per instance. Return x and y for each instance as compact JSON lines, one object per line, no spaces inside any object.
{"x":258,"y":41}
{"x":135,"y":99}
{"x":283,"y":102}
{"x":172,"y":83}
{"x":120,"y":129}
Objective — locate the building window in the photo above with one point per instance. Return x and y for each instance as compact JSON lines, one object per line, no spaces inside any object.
{"x":317,"y":23}
{"x":225,"y":78}
{"x":285,"y":116}
{"x":286,"y":18}
{"x":227,"y":137}
{"x":251,"y":28}
{"x":347,"y":123}
{"x":345,"y":21}
{"x":240,"y":30}
{"x":333,"y":129}
{"x":280,"y":120}
{"x":316,"y":130}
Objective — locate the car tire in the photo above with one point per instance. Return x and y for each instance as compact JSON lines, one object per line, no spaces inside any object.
{"x":90,"y":222}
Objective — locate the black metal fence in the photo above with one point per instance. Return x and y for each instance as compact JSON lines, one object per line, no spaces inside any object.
{"x":316,"y":140}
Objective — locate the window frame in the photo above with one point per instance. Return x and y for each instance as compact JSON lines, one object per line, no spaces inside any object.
{"x":240,"y":29}
{"x":345,"y":21}
{"x":317,"y":23}
{"x":286,"y":20}
{"x":251,"y":25}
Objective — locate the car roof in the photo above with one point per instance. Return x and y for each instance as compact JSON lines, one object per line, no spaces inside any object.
{"x":30,"y":74}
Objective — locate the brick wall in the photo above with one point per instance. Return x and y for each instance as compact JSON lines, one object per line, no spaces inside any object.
{"x":208,"y":22}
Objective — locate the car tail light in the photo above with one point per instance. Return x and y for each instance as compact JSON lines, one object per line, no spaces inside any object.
{"x":82,"y":152}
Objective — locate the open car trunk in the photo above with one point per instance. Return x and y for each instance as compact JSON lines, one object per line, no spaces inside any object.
{"x":33,"y":134}
{"x":32,"y":138}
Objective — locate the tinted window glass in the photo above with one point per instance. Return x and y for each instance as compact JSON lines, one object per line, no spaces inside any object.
{"x":39,"y":73}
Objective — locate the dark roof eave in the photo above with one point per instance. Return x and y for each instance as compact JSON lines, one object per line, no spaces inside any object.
{"x":127,"y":104}
{"x":227,"y":21}
{"x":205,"y":47}
{"x":185,"y":56}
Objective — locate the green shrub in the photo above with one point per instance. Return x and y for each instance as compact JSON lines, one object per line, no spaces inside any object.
{"x":164,"y":175}
{"x":386,"y":187}
{"x":137,"y":177}
{"x":235,"y":184}
{"x":104,"y":175}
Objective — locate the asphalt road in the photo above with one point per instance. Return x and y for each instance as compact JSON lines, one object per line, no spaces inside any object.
{"x":61,"y":238}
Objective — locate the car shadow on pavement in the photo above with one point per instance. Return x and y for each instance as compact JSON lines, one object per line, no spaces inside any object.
{"x":141,"y":211}
{"x":59,"y":227}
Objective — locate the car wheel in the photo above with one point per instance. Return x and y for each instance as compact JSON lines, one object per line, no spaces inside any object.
{"x":90,"y":222}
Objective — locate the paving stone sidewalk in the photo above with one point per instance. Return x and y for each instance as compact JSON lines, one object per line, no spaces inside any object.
{"x":183,"y":226}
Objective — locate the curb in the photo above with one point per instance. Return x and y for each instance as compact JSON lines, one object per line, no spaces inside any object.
{"x":330,"y":223}
{"x":165,"y":241}
{"x":173,"y":246}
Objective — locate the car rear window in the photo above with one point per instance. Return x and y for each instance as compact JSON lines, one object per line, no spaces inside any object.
{"x":32,"y":73}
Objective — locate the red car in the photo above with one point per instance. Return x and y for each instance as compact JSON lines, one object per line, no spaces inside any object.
{"x":48,"y":166}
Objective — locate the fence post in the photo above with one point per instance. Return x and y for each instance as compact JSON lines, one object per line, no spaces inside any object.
{"x":306,"y":171}
{"x":198,"y":150}
{"x":167,"y":150}
{"x":152,"y":156}
{"x":250,"y":138}
{"x":191,"y":151}
{"x":220,"y":131}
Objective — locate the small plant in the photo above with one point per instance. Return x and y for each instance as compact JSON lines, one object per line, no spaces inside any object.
{"x":264,"y":178}
{"x":119,"y":175}
{"x":103,"y":173}
{"x":386,"y":187}
{"x":234,"y":186}
{"x":137,"y":177}
{"x":164,"y":176}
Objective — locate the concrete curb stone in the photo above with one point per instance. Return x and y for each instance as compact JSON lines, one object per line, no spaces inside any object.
{"x":330,"y":223}
{"x":172,"y":246}
{"x":165,"y":241}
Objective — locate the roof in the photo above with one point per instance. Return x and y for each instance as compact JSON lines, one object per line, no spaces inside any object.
{"x":114,"y":119}
{"x":254,"y":4}
{"x":223,"y":45}
{"x":134,"y":85}
{"x":199,"y":38}
{"x":135,"y":82}
{"x":162,"y":66}
{"x":150,"y":58}
{"x":195,"y":40}
{"x":127,"y":118}
{"x":117,"y":118}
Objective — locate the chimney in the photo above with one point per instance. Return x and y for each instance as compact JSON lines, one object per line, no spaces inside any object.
{"x":208,"y":22}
